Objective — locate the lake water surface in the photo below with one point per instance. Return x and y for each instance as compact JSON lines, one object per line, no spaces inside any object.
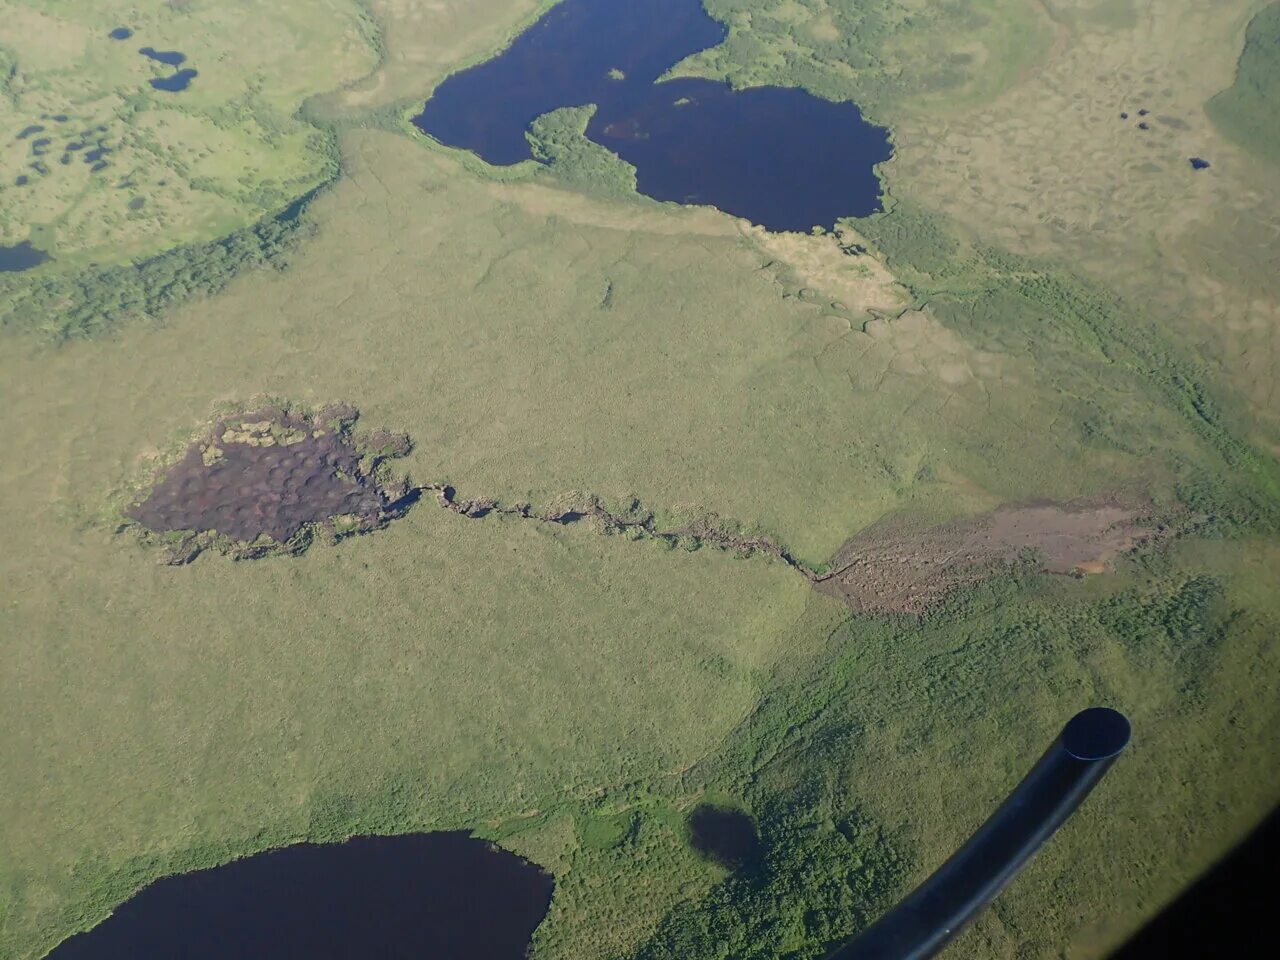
{"x":445,"y":896}
{"x":176,"y":82}
{"x":21,"y":256}
{"x":779,"y":157}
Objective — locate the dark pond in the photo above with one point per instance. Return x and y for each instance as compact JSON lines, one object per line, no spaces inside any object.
{"x":170,"y":58}
{"x":724,"y":834}
{"x":778,"y":157}
{"x":23,"y":256}
{"x":120,"y":33}
{"x":180,"y":80}
{"x":446,"y":896}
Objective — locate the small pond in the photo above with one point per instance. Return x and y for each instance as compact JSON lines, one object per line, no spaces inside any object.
{"x":779,"y":157}
{"x":447,"y":896}
{"x":176,"y":82}
{"x":21,"y":256}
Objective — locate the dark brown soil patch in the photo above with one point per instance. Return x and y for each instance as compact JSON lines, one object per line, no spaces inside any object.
{"x":273,"y":474}
{"x":891,"y":570}
{"x":261,"y":482}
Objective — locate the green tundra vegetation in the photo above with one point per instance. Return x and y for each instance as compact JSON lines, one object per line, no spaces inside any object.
{"x":840,"y":842}
{"x":169,"y":168}
{"x":878,"y":53}
{"x":1054,"y":305}
{"x":1249,"y":110}
{"x":94,"y":300}
{"x":557,"y":141}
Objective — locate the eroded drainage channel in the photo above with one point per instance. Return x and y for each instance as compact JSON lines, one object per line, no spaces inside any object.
{"x":272,"y":479}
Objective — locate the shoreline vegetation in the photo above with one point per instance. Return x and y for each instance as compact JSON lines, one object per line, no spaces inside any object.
{"x":94,"y":301}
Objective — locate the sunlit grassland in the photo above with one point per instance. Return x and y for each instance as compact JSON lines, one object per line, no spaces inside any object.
{"x":447,"y":672}
{"x":531,"y":352}
{"x":421,"y":44}
{"x":1050,"y":169}
{"x":571,"y":694}
{"x":204,"y":161}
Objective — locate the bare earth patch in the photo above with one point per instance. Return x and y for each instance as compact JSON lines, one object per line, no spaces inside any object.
{"x":840,"y":264}
{"x":890,"y":570}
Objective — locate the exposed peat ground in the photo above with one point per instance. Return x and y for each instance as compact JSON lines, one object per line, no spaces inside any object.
{"x":259,"y":480}
{"x":889,"y":569}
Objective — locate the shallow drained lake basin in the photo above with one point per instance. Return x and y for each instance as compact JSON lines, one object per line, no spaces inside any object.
{"x":779,"y":157}
{"x":448,"y":896}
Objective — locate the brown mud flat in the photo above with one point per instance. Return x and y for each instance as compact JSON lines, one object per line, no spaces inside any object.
{"x":259,"y":482}
{"x":887,"y":569}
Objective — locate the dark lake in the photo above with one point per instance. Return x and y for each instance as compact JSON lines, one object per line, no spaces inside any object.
{"x":779,"y":157}
{"x":444,"y":896}
{"x":22,"y":256}
{"x":724,"y":834}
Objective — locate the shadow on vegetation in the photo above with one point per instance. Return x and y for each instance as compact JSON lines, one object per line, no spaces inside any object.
{"x":725,"y":835}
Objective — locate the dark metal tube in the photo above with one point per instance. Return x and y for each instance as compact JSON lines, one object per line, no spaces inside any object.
{"x":939,"y":908}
